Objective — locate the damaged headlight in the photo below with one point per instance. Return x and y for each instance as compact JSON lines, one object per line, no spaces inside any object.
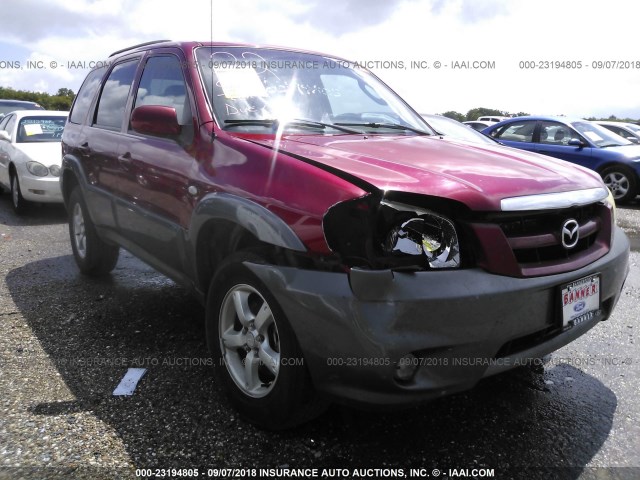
{"x":424,"y":234}
{"x":372,"y":232}
{"x":611,"y":205}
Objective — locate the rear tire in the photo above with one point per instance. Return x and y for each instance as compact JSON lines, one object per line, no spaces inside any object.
{"x":621,"y":181}
{"x":256,"y":354}
{"x":93,"y":256}
{"x":20,"y":205}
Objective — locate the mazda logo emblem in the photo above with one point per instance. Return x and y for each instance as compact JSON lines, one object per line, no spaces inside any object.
{"x":570,"y":234}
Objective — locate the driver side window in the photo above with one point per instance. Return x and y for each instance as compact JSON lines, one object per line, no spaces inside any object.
{"x":10,"y":124}
{"x":163,"y":83}
{"x":555,"y":133}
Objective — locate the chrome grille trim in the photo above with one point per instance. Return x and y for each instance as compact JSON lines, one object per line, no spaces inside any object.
{"x":548,"y":201}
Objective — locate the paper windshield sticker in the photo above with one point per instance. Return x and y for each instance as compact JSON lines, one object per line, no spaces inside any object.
{"x":33,"y":129}
{"x":239,"y":81}
{"x":129,"y":382}
{"x":593,"y":136}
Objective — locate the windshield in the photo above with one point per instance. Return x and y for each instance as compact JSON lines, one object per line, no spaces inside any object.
{"x":600,"y":136}
{"x":258,"y":90}
{"x":6,"y":107}
{"x":456,"y":130}
{"x":40,"y":129}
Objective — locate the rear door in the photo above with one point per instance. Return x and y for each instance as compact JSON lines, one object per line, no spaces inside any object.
{"x":108,"y":125}
{"x":95,"y":130}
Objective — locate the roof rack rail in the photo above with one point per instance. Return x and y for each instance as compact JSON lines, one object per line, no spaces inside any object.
{"x":136,"y":46}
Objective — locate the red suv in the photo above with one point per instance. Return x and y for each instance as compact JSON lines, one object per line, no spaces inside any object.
{"x":343,"y":250}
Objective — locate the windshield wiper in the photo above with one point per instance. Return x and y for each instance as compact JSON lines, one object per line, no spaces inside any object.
{"x":313,"y":123}
{"x":395,"y":126}
{"x":301,"y":122}
{"x":252,"y":121}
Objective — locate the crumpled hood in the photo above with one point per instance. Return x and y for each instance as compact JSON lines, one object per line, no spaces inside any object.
{"x":476,"y":175}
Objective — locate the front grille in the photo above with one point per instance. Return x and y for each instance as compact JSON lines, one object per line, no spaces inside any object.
{"x":534,"y":240}
{"x":536,"y":223}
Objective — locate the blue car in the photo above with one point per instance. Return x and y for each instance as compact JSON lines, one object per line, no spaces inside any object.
{"x":578,"y":141}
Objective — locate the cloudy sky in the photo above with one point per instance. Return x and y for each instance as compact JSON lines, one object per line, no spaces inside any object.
{"x":399,"y":38}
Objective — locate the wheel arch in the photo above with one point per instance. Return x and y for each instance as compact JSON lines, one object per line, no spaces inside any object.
{"x":224,"y":223}
{"x":70,"y":176}
{"x":613,"y":163}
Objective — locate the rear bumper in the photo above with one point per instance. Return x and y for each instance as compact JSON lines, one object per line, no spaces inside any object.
{"x":461,"y":325}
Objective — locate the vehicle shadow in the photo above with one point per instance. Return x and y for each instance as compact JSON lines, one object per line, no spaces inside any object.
{"x":632,"y":205}
{"x":528,"y":420}
{"x":37,"y":214}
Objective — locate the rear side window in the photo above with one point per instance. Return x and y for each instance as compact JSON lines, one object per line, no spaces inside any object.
{"x":115,"y":92}
{"x":85,"y":96}
{"x":516,"y":131}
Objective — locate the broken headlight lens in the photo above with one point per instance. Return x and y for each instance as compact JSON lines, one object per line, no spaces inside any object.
{"x":425,"y":235}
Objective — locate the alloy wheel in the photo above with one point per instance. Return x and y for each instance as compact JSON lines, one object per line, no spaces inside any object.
{"x":79,"y":234}
{"x":249,"y":340}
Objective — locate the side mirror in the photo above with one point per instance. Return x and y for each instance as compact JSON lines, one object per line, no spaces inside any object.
{"x":4,"y":135}
{"x":155,"y":120}
{"x":574,"y":142}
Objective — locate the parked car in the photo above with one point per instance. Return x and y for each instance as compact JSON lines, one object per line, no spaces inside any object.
{"x":478,"y":125}
{"x":30,"y":156}
{"x":492,"y":119}
{"x":452,"y":129}
{"x":343,"y":250}
{"x":630,"y":131}
{"x":7,"y":106}
{"x":578,"y":141}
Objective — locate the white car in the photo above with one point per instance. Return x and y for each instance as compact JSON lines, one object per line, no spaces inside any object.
{"x":30,"y":156}
{"x":492,"y":119}
{"x":630,"y":131}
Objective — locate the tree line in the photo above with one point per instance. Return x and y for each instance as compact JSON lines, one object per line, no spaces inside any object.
{"x":63,"y":99}
{"x":60,"y":101}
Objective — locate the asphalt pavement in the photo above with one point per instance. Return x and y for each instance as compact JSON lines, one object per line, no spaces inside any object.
{"x":66,"y":341}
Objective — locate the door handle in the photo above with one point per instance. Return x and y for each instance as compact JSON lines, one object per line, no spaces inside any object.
{"x":125,"y":161}
{"x":84,"y":148}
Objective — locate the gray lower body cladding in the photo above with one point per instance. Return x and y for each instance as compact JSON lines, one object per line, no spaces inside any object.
{"x":461,"y":325}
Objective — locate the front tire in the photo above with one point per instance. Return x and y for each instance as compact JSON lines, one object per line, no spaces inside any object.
{"x":256,"y":354}
{"x":621,"y":181}
{"x":20,"y":205}
{"x":93,"y":256}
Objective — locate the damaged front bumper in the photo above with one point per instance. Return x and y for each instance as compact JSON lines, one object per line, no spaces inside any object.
{"x":459,"y":326}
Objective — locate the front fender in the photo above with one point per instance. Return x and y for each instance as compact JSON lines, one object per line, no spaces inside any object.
{"x":261,"y":222}
{"x":71,"y":174}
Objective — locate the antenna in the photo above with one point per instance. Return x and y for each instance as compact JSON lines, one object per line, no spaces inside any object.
{"x":211,"y":65}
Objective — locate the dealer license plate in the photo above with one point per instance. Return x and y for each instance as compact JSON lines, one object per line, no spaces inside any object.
{"x":580,"y":300}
